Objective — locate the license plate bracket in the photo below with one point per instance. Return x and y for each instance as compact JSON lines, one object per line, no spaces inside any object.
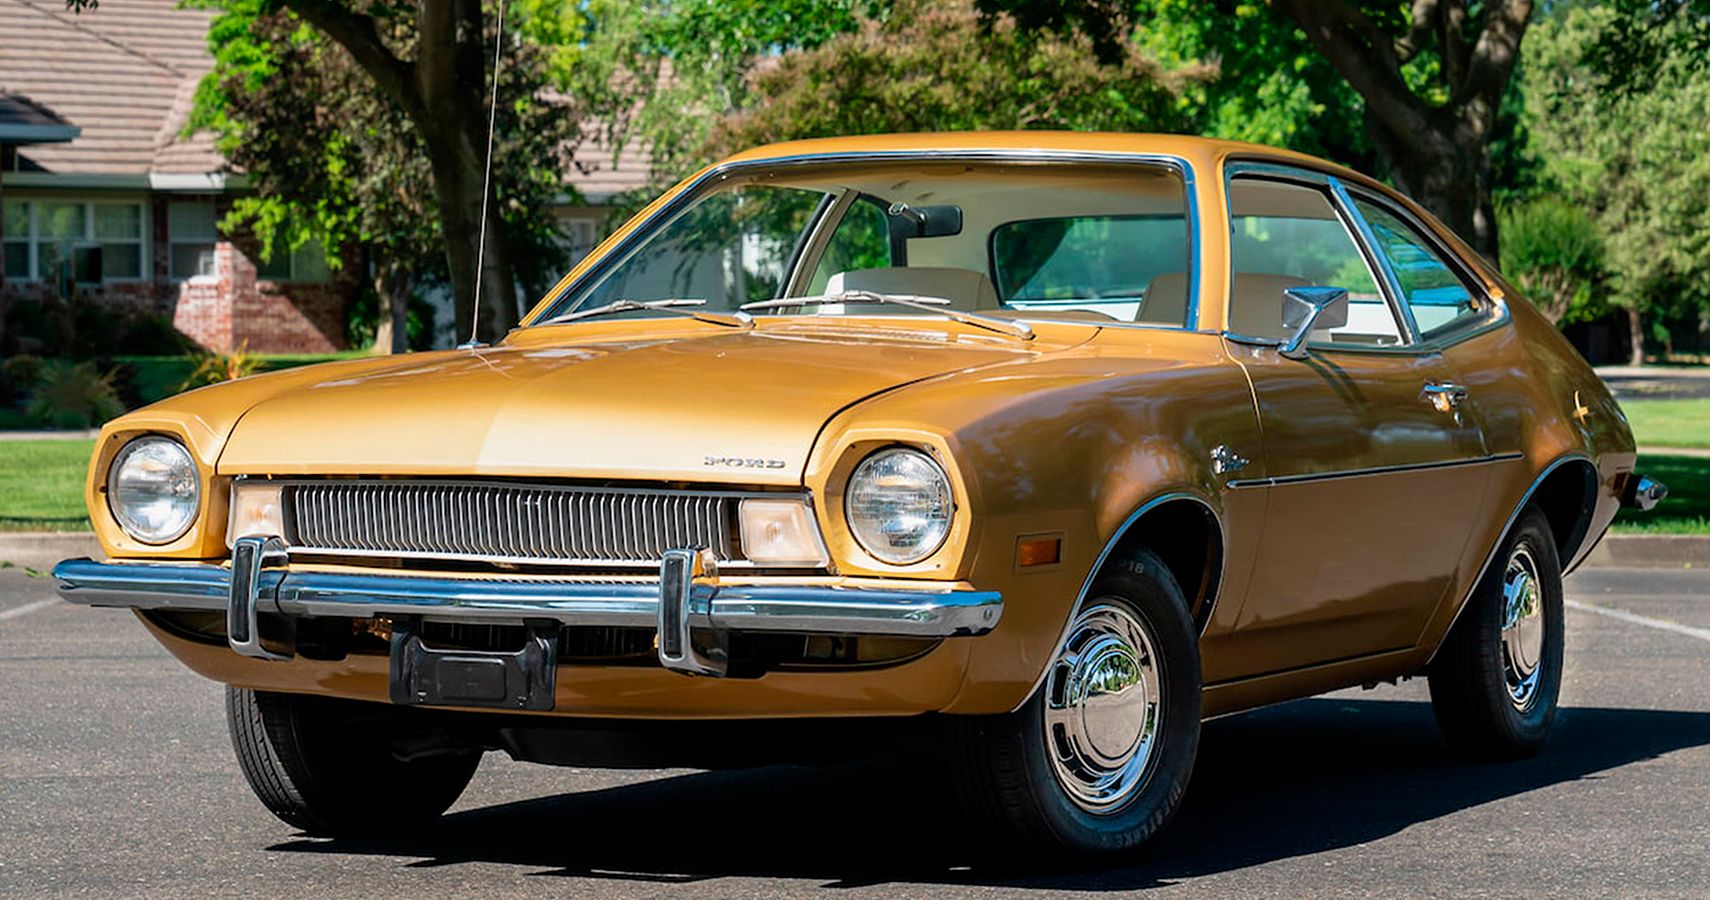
{"x":524,"y":679}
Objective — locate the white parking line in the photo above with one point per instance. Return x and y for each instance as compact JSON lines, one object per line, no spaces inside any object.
{"x":1702,"y":634}
{"x":27,"y":608}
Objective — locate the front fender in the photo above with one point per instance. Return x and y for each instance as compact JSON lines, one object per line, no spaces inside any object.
{"x":1070,"y":445}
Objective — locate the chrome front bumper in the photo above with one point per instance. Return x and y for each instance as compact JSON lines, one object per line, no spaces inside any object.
{"x":685,"y":597}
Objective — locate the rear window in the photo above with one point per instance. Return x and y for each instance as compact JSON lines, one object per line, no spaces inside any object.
{"x":1099,"y":263}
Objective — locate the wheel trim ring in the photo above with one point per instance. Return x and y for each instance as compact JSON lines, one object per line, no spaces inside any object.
{"x":1522,"y":634}
{"x":1104,"y":707}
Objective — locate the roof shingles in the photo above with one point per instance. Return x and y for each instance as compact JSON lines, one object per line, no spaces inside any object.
{"x":122,"y":72}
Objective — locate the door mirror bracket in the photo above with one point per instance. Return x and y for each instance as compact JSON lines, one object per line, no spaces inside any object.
{"x":1308,"y":308}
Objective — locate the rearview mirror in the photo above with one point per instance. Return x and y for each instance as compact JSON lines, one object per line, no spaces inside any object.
{"x":924,"y":221}
{"x":1309,"y":308}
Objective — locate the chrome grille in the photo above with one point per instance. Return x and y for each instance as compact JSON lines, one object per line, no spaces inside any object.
{"x":535,"y":524}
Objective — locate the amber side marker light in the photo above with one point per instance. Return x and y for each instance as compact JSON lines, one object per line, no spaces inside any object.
{"x":1031,"y":552}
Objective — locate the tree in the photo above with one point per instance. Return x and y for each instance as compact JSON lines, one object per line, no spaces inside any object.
{"x":1431,"y":76}
{"x":1638,"y":161}
{"x":1553,"y":251}
{"x":432,"y":58}
{"x":334,"y":161}
{"x":898,"y":67}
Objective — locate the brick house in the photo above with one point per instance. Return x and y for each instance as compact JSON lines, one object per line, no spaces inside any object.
{"x":105,"y":198}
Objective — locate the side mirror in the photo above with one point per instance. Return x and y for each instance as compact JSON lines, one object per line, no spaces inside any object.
{"x":1309,"y":308}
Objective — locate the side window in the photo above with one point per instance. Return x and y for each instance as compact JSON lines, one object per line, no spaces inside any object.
{"x":1288,"y":235}
{"x":860,"y":241}
{"x":1438,"y":298}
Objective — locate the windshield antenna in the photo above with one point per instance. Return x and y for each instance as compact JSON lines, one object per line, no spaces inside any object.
{"x":486,"y":187}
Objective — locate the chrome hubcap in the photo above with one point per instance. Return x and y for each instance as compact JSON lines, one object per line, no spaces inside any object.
{"x":1103,"y":708}
{"x":1522,"y":627}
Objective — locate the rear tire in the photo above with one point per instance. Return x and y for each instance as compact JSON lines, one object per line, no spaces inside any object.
{"x":1096,"y":761}
{"x":323,"y":766}
{"x":1496,"y":679}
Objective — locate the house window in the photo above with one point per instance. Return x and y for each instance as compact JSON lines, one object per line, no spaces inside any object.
{"x":192,"y":229}
{"x":305,"y":265}
{"x":74,"y":241}
{"x":580,"y":237}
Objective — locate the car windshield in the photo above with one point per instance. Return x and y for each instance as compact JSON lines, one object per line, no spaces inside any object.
{"x":1039,"y":240}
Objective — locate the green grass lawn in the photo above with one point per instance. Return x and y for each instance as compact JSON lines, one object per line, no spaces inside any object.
{"x":1687,"y":507}
{"x":41,"y":485}
{"x":1669,"y":423}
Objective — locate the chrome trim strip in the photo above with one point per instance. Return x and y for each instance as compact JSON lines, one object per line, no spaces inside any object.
{"x":1374,"y":470}
{"x":1503,"y":536}
{"x":621,"y":252}
{"x":926,"y":611}
{"x":1104,"y":554}
{"x":1374,"y":251}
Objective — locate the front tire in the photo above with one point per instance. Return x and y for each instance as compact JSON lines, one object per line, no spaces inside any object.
{"x":1097,"y":759}
{"x":1495,"y":682}
{"x":325,"y":767}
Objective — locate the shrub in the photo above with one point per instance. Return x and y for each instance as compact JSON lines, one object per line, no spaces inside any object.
{"x":18,"y":374}
{"x":213,"y":368}
{"x":73,"y":395}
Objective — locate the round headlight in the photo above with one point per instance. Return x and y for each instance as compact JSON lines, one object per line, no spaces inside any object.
{"x":899,"y":505}
{"x":153,"y":490}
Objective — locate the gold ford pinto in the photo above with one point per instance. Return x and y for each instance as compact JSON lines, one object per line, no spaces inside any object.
{"x":1028,"y":451}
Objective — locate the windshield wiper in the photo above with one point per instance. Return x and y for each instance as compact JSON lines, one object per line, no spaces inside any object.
{"x":673,"y":306}
{"x":938,"y":305}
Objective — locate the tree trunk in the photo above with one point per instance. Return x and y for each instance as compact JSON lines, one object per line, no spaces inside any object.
{"x":1448,"y":172}
{"x":457,"y":185}
{"x":392,"y":330}
{"x":1636,"y":334}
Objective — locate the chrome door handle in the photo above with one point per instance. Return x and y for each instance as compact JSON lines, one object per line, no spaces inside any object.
{"x":1445,"y":395}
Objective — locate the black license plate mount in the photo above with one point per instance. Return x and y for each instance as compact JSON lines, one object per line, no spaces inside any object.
{"x":524,"y":679}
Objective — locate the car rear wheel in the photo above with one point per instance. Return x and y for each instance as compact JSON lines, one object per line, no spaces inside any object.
{"x":1097,"y":760}
{"x":1495,"y":681}
{"x":327,"y":767}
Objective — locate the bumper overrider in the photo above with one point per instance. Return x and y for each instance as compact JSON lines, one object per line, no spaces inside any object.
{"x":688,"y":597}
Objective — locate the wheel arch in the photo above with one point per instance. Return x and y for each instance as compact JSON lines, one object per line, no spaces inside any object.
{"x":1566,"y":491}
{"x":1187,"y":535}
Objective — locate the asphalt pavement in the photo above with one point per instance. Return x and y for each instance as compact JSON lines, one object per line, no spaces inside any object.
{"x":116,"y":778}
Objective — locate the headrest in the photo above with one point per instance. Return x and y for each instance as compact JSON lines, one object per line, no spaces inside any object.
{"x":1166,"y":298}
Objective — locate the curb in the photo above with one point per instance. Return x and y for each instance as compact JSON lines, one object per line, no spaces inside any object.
{"x":40,"y":550}
{"x":1650,"y":551}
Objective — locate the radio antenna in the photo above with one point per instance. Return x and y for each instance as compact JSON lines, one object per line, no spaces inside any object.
{"x":487,"y":185}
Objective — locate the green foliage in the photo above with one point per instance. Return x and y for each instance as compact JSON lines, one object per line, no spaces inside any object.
{"x":1552,"y":249}
{"x":73,"y":395}
{"x":335,"y":160}
{"x":933,"y":65}
{"x":83,"y":328}
{"x":213,"y":368}
{"x":1638,"y":162}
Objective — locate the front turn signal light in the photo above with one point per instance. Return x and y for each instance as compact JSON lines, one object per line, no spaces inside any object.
{"x":781,"y":533}
{"x":257,"y":510}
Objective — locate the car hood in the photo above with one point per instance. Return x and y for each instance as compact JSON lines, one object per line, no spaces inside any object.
{"x":708,"y":406}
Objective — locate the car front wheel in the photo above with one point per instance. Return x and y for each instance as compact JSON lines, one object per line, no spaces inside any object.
{"x":1097,"y":760}
{"x":326,"y":766}
{"x":1495,"y":681}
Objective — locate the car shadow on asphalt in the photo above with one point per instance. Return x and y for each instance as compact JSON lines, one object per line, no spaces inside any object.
{"x":1288,"y":781}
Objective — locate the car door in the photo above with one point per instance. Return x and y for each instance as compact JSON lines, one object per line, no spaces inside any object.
{"x":1371,"y":462}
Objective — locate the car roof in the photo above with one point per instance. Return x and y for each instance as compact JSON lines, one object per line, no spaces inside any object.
{"x":1201,"y":152}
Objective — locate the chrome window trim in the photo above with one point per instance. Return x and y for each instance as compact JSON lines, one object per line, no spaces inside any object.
{"x":1373,"y":251}
{"x":1104,"y":555}
{"x":1350,"y":226}
{"x":813,"y":250}
{"x":1470,"y":279}
{"x":630,"y":242}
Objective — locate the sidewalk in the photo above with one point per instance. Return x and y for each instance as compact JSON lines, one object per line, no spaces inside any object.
{"x":44,"y":435}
